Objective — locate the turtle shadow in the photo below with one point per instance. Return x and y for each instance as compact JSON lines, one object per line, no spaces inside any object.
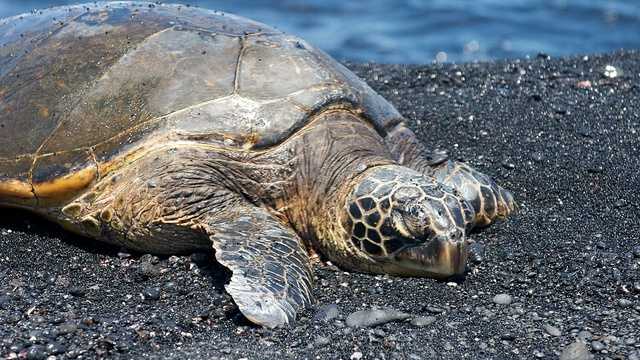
{"x":24,"y":221}
{"x":18,"y":221}
{"x":218,"y":276}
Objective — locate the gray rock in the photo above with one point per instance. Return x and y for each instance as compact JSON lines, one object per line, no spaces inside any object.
{"x":374,"y":317}
{"x":597,"y":346}
{"x":77,"y":291}
{"x":145,"y":271}
{"x":508,"y":336}
{"x":151,"y":293}
{"x":508,"y":165}
{"x":584,"y":335}
{"x":327,"y":313}
{"x":4,"y":302}
{"x":503,"y":299}
{"x":575,"y":351}
{"x":434,"y":309}
{"x":322,"y":341}
{"x":552,"y":330}
{"x":148,"y":258}
{"x":123,"y":255}
{"x":611,"y":72}
{"x":36,"y":352}
{"x":423,"y":320}
{"x":625,"y":303}
{"x":55,"y":348}
{"x":67,"y":328}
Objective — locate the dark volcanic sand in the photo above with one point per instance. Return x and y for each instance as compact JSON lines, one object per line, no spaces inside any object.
{"x":569,"y":259}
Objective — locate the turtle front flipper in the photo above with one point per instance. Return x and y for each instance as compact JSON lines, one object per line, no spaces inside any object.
{"x":271,"y":277}
{"x":489,"y":200}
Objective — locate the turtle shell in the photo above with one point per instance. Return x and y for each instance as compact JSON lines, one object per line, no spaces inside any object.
{"x":85,"y":84}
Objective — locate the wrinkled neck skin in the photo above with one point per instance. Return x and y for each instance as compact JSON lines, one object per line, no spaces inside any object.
{"x":331,"y":152}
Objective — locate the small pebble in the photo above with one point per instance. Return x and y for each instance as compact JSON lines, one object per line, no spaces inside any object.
{"x":434,"y":309}
{"x":502,"y":299}
{"x":327,"y":313}
{"x":552,"y":330}
{"x":584,"y":335}
{"x":356,"y":356}
{"x":508,"y":165}
{"x":147,"y":270}
{"x":611,"y":72}
{"x":77,"y":291}
{"x":149,"y":258}
{"x":584,"y":84}
{"x":625,"y":303}
{"x":636,"y":251}
{"x":597,"y":346}
{"x":575,"y":351}
{"x":374,"y":317}
{"x":67,"y":328}
{"x":595,"y":168}
{"x":151,"y":293}
{"x":537,"y":157}
{"x":508,"y":336}
{"x":36,"y":352}
{"x":123,"y":255}
{"x":423,"y":321}
{"x":322,"y":341}
{"x":55,"y":348}
{"x":4,"y":302}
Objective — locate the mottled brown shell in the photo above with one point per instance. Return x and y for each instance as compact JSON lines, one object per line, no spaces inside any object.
{"x":81,"y":86}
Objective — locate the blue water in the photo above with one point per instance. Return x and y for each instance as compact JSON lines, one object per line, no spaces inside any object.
{"x":414,"y":31}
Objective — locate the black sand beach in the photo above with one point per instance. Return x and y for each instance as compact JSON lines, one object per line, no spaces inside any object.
{"x":562,"y":134}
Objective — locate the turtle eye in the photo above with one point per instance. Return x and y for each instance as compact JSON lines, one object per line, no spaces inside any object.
{"x":416,"y":211}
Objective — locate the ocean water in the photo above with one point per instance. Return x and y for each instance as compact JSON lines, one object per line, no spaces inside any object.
{"x":422,"y":31}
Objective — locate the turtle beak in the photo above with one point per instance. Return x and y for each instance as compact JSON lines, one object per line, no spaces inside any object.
{"x":439,"y":258}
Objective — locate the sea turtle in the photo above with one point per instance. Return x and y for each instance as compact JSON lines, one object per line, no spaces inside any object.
{"x":171,"y":129}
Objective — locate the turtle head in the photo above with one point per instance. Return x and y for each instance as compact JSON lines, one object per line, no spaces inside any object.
{"x":400,"y":222}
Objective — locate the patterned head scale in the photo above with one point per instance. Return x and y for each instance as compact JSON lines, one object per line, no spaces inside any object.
{"x":396,"y":215}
